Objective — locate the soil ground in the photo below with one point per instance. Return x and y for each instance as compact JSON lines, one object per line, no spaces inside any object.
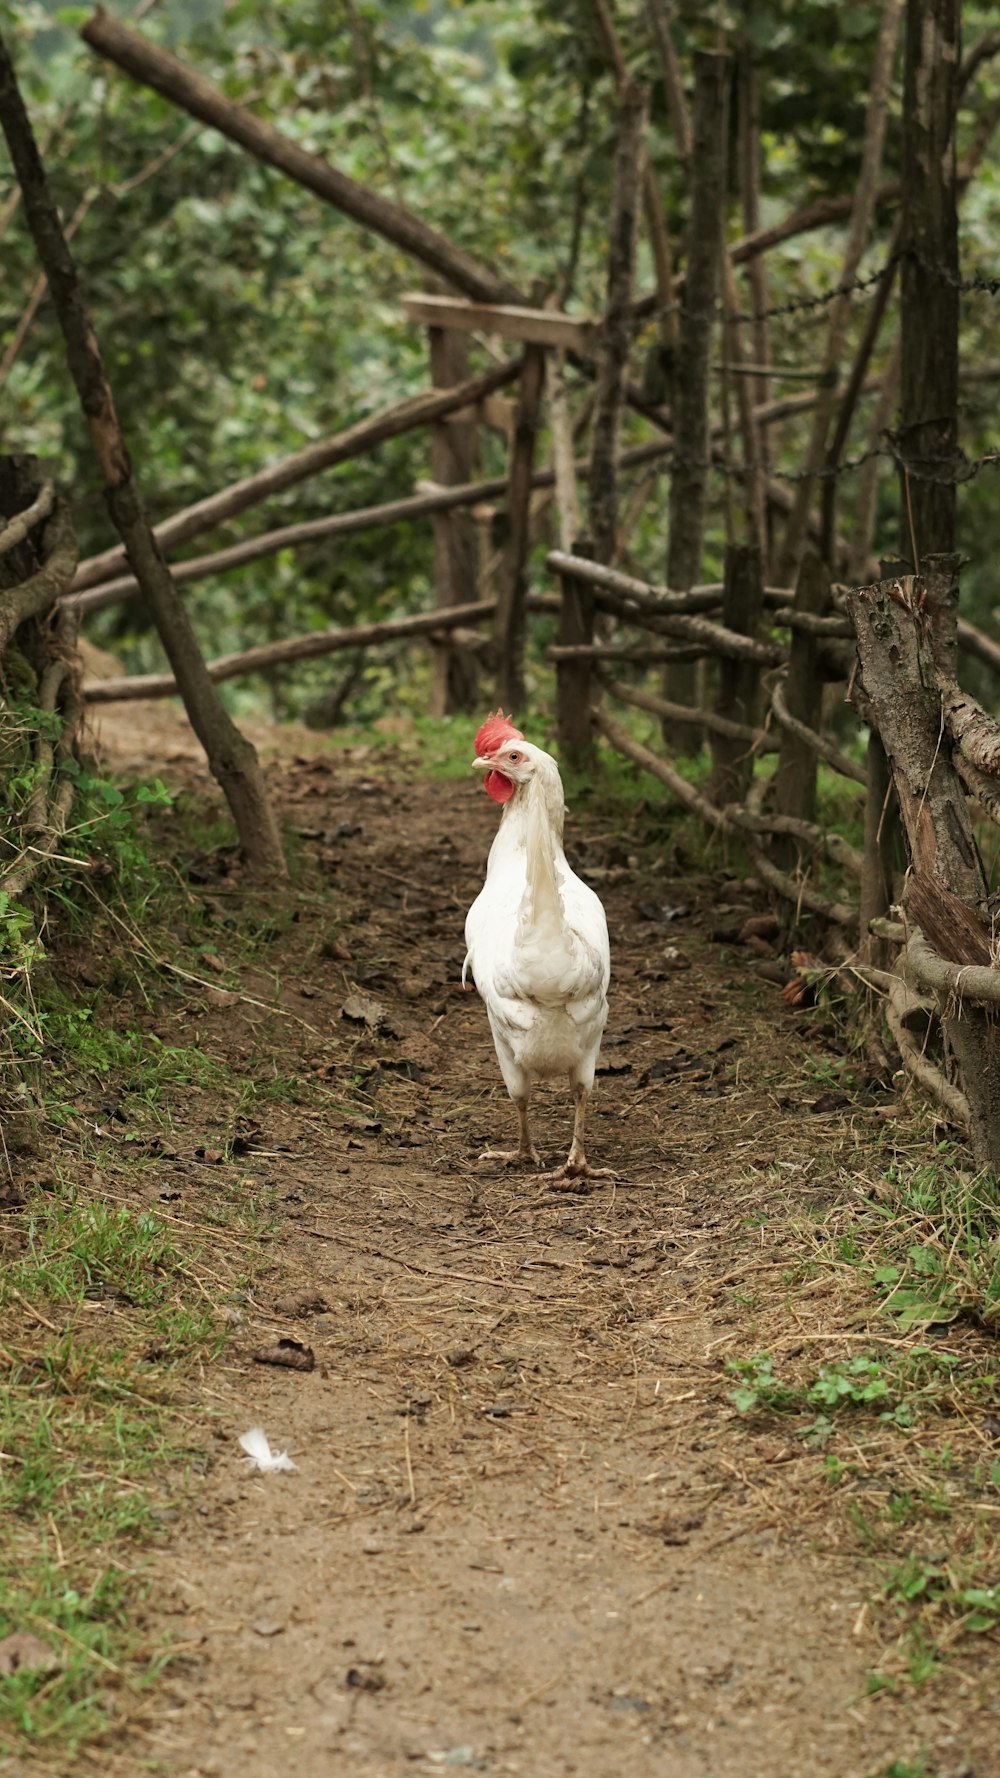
{"x":529,"y":1532}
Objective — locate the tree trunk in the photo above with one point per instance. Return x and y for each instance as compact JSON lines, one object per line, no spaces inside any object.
{"x":882,"y":865}
{"x":232,"y":759}
{"x":929,"y":295}
{"x":656,"y":226}
{"x":689,"y":478}
{"x":903,"y":636}
{"x":616,"y":337}
{"x":750,"y":155}
{"x":40,"y":715}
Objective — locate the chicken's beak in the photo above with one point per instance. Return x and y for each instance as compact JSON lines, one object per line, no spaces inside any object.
{"x":480,"y":764}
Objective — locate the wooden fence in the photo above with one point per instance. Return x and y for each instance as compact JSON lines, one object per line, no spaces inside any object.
{"x":923,"y":939}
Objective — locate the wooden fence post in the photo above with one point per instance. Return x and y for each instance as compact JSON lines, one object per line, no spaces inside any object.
{"x":509,"y":627}
{"x":739,"y":680}
{"x":573,"y":677}
{"x":454,"y":450}
{"x":795,"y":777}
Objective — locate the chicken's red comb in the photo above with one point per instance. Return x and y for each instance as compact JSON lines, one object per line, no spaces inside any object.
{"x":497,"y":729}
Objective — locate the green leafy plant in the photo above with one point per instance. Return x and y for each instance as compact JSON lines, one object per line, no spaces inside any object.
{"x":953,"y":1268}
{"x":893,"y":1389}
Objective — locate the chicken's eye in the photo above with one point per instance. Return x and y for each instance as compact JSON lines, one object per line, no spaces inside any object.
{"x":513,"y":756}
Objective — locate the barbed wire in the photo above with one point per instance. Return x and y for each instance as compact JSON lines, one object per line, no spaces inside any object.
{"x":977,"y":281}
{"x":949,"y":473}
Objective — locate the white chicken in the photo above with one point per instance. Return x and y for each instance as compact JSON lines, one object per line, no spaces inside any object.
{"x":537,"y":941}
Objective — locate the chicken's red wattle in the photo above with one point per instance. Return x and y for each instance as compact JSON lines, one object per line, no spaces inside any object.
{"x":498,"y":787}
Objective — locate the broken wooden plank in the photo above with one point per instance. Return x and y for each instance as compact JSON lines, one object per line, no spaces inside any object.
{"x":538,"y":327}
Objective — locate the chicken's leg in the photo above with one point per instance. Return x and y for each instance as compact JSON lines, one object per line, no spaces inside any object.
{"x":525,"y":1154}
{"x":576,"y":1165}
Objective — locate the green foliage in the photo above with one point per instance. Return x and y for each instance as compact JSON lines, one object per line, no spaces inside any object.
{"x":922,"y":1581}
{"x":892,"y":1388}
{"x":939,"y":1248}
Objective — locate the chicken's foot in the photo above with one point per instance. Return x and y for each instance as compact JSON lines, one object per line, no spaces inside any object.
{"x":576,"y":1166}
{"x":525,"y":1154}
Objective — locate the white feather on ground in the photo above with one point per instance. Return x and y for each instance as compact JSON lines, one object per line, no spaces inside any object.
{"x":259,"y":1452}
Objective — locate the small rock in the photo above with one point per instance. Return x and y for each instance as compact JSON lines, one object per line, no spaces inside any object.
{"x":300,"y":1303}
{"x":23,"y":1653}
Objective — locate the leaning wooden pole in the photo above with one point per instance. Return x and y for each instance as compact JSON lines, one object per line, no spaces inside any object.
{"x":232,"y":759}
{"x":156,"y":68}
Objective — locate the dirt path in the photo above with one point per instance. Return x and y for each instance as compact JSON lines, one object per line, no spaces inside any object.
{"x":529,"y":1532}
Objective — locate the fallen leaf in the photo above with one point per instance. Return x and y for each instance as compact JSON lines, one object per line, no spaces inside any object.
{"x":363,"y":1126}
{"x":292,"y":1355}
{"x":759,"y":926}
{"x":245,"y":1140}
{"x":361,"y":1009}
{"x":759,"y":946}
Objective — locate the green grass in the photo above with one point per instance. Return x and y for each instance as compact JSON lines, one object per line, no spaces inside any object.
{"x":899,"y":1419}
{"x":105,"y":1315}
{"x":89,"y":1446}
